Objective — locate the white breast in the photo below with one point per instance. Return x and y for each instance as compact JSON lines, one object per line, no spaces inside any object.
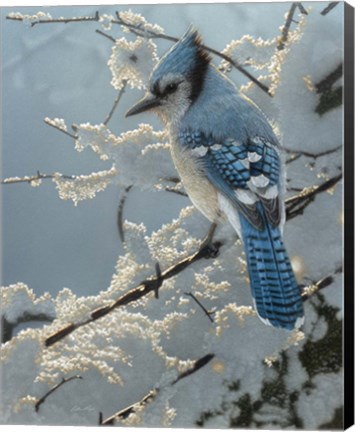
{"x":201,"y":192}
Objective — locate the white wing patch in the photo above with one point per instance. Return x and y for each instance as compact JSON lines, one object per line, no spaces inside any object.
{"x":259,"y":181}
{"x":254,"y":156}
{"x":200,"y":150}
{"x":245,"y":196}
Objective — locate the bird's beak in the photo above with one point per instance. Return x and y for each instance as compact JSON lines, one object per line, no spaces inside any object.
{"x":146,"y":103}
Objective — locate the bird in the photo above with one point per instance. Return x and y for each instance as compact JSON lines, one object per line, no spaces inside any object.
{"x":230,"y":163}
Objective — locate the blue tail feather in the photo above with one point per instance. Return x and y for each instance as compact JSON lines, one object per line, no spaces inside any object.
{"x":274,"y":287}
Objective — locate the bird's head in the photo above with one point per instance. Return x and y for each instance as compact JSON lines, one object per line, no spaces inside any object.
{"x":177,"y":80}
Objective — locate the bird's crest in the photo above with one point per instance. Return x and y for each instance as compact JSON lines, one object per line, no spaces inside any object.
{"x":187,"y":57}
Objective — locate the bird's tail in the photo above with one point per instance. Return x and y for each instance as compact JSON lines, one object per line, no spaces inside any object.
{"x":274,"y":288}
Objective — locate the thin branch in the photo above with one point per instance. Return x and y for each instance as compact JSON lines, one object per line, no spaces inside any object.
{"x":296,"y":205}
{"x":53,"y":389}
{"x":115,"y":104}
{"x":330,"y":6}
{"x":143,"y":289}
{"x":302,"y":9}
{"x":139,"y":31}
{"x":49,"y":123}
{"x":300,"y":153}
{"x":96,"y":17}
{"x":324,"y":282}
{"x":207,"y":313}
{"x":175,"y":191}
{"x":120,"y":212}
{"x":37,"y":177}
{"x":286,"y":27}
{"x":150,"y":396}
{"x":7,"y":327}
{"x":107,"y":36}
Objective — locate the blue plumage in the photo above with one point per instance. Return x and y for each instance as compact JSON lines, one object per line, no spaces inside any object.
{"x":274,"y":288}
{"x":228,"y":157}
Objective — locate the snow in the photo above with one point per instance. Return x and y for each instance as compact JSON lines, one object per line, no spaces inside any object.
{"x":146,"y":345}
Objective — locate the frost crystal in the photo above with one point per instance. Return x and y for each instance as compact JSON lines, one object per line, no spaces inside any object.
{"x":132,"y":62}
{"x":83,"y":186}
{"x":138,"y":21}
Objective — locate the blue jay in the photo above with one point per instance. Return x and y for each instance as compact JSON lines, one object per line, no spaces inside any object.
{"x":228,"y":158}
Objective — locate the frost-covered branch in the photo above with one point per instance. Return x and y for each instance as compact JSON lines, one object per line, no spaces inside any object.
{"x":324,"y":282}
{"x":54,"y":388}
{"x":42,"y":18}
{"x":7,"y":327}
{"x":295,"y":205}
{"x":207,"y":250}
{"x":151,"y":34}
{"x":35,"y":180}
{"x":151,"y":395}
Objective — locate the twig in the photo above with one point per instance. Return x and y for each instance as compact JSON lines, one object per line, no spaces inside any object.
{"x":112,"y":39}
{"x":295,"y":205}
{"x":38,"y":176}
{"x":7,"y":327}
{"x":207,"y":313}
{"x":300,"y":153}
{"x":324,"y":282}
{"x":286,"y":27}
{"x":57,"y":20}
{"x":302,"y":9}
{"x":49,"y":123}
{"x":330,"y":6}
{"x":53,"y":389}
{"x":149,"y":397}
{"x":115,"y":104}
{"x":175,"y":191}
{"x":144,"y":288}
{"x":120,"y":212}
{"x":139,"y":31}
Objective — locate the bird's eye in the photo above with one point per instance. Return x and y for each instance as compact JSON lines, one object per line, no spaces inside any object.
{"x":170,"y":88}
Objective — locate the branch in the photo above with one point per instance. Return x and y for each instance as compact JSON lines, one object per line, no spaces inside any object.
{"x":150,"y":34}
{"x":207,"y":313}
{"x":112,"y":39}
{"x":300,"y":153}
{"x":149,"y":397}
{"x":286,"y":27}
{"x":120,"y":212}
{"x":115,"y":104}
{"x":53,"y":389}
{"x":143,"y":289}
{"x":7,"y":327}
{"x":330,"y":6}
{"x":295,"y":205}
{"x":96,"y":17}
{"x":37,"y":177}
{"x":324,"y":282}
{"x":49,"y":122}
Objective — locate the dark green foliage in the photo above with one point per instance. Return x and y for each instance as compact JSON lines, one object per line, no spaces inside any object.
{"x":325,"y":354}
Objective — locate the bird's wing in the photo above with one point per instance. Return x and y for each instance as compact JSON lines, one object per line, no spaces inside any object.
{"x":246,"y":173}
